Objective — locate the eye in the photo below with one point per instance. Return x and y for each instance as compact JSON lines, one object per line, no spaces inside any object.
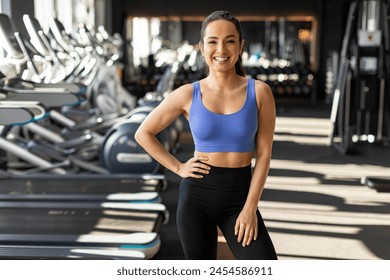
{"x":211,"y":42}
{"x":231,"y":41}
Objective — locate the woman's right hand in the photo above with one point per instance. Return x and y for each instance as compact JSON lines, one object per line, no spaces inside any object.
{"x":194,"y":167}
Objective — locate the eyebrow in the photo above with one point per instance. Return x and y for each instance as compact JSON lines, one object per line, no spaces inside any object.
{"x":228,"y":36}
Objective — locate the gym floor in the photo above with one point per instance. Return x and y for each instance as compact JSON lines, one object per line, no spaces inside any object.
{"x":313,"y":204}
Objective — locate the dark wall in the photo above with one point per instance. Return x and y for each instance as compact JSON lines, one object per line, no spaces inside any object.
{"x":118,"y":15}
{"x":18,"y":9}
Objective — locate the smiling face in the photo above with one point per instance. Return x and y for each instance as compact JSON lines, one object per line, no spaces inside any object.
{"x":221,"y":45}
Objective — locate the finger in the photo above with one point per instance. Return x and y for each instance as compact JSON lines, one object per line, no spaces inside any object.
{"x":256,"y":233}
{"x":241,"y":232}
{"x":204,"y":166}
{"x":245,"y":237}
{"x":196,"y":170}
{"x":198,"y":167}
{"x":195,"y":175}
{"x":236,"y":228}
{"x":201,"y":158}
{"x":248,"y":237}
{"x":200,"y":170}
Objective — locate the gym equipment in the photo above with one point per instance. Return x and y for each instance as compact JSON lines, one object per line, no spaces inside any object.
{"x":131,"y":157}
{"x":22,"y":55}
{"x":62,"y":180}
{"x":62,"y":215}
{"x":8,"y":115}
{"x":39,"y":203}
{"x":17,"y":113}
{"x":106,"y":93}
{"x":285,"y":78}
{"x":186,"y":57}
{"x":43,"y":164}
{"x":360,"y":110}
{"x":33,"y":26}
{"x":27,"y":195}
{"x":98,"y":82}
{"x":68,"y":198}
{"x":120,"y":151}
{"x":30,"y":252}
{"x":86,"y":225}
{"x":52,"y":99}
{"x":173,"y":134}
{"x":91,"y":123}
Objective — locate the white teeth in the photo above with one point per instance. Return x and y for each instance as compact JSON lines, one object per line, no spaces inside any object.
{"x":220,"y":58}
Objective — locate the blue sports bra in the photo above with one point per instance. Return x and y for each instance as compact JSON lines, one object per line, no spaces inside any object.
{"x":213,"y":132}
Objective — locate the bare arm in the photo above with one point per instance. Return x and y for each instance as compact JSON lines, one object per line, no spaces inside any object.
{"x":264,"y":142}
{"x":159,"y":119}
{"x":246,"y":224}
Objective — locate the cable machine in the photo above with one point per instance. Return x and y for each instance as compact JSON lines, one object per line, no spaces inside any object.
{"x":360,"y":109}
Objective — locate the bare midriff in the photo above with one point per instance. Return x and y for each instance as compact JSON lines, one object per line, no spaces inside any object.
{"x":227,"y":159}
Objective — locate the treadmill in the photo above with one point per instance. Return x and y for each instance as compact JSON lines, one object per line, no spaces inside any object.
{"x":22,"y":51}
{"x":78,"y":226}
{"x":105,"y":92}
{"x":106,"y":229}
{"x":88,"y":118}
{"x":60,"y":179}
{"x":140,"y":182}
{"x":67,"y":229}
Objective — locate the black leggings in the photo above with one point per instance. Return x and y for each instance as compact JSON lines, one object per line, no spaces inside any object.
{"x":217,"y":200}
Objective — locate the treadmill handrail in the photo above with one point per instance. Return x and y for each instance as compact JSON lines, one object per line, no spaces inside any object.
{"x":15,"y":116}
{"x":37,"y":110}
{"x":152,"y":207}
{"x":67,"y":252}
{"x":129,"y":197}
{"x":133,"y":238}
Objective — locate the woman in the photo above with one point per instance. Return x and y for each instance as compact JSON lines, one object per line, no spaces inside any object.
{"x":232,"y":119}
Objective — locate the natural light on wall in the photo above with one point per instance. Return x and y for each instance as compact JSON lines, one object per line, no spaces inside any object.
{"x":44,"y":11}
{"x":65,"y":14}
{"x":146,"y":38}
{"x":141,"y":44}
{"x":83,"y":12}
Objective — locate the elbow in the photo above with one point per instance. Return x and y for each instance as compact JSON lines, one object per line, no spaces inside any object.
{"x":138,"y":136}
{"x":264,"y":156}
{"x":142,"y":136}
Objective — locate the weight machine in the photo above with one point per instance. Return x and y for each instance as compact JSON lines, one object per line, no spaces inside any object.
{"x":361,"y":101}
{"x":360,"y":110}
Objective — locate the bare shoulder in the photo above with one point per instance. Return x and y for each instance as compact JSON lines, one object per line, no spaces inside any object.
{"x":182,"y":93}
{"x":179,"y":98}
{"x":262,"y":88}
{"x":264,"y":93}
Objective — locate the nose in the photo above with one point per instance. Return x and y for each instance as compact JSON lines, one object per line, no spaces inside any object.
{"x":221,"y":47}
